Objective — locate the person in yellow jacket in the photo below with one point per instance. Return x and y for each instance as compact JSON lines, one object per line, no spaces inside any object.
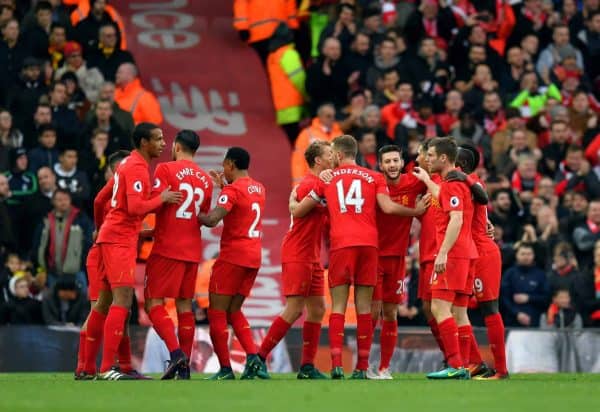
{"x":256,"y":21}
{"x":323,"y":127}
{"x":132,"y":97}
{"x":287,"y":77}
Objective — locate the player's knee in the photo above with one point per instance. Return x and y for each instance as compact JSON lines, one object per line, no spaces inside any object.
{"x":316,"y":311}
{"x":488,"y":308}
{"x":390,"y":312}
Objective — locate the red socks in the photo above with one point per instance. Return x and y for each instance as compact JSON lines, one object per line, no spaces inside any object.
{"x":163,"y":325}
{"x":81,"y":352}
{"x":276,"y":332}
{"x":93,"y":340}
{"x":364,"y":338}
{"x":474,"y":354}
{"x":464,"y":339}
{"x":185,"y":331}
{"x":113,"y":333}
{"x":242,"y":330}
{"x":495,"y":332}
{"x":436,"y":334}
{"x":387,"y":341}
{"x":125,"y":355}
{"x":336,"y":338}
{"x":311,"y":331}
{"x":219,"y":335}
{"x":449,"y":336}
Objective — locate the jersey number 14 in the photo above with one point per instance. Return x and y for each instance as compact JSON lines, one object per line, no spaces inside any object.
{"x":351,"y":198}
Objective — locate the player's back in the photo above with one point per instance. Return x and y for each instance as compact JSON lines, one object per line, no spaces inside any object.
{"x":131,"y":177}
{"x":482,"y":241}
{"x":242,"y":226}
{"x":352,"y":200}
{"x":394,"y":231}
{"x":302,"y":242}
{"x":177,"y":231}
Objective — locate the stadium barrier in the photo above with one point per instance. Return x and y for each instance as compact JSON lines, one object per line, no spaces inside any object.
{"x":53,"y":349}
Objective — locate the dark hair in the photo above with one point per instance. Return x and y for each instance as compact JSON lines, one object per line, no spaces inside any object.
{"x":54,"y":84}
{"x":314,"y":150}
{"x":574,"y":148}
{"x":467,"y":157}
{"x":116,"y":158}
{"x":528,"y":245}
{"x":43,"y":5}
{"x":239,"y":156}
{"x":103,"y":101}
{"x":557,"y":121}
{"x":343,"y":6}
{"x":560,"y":290}
{"x":388,"y":39}
{"x":189,"y":140}
{"x":142,"y":131}
{"x":360,"y":133}
{"x":512,"y":112}
{"x":98,"y":131}
{"x":498,"y":192}
{"x":445,"y":146}
{"x":390,"y":148}
{"x":46,"y":128}
{"x":347,"y":145}
{"x":63,"y":191}
{"x":69,"y":148}
{"x":58,"y":26}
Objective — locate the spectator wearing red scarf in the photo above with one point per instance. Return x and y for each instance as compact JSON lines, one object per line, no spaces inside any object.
{"x":526,"y":178}
{"x":574,"y":174}
{"x":453,"y":105}
{"x":564,"y":268}
{"x":400,"y":112}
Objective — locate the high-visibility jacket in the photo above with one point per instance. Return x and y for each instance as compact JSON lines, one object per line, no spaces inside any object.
{"x":141,"y":103}
{"x":316,"y":131}
{"x":262,"y":17}
{"x":287,"y":77}
{"x":83,"y":10}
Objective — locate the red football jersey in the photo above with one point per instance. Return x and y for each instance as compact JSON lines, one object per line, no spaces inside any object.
{"x":483,"y":243}
{"x":244,"y":201}
{"x":131,"y":180}
{"x":177,"y":230}
{"x":351,"y":200}
{"x":455,"y":196}
{"x":394,"y":231}
{"x":302,"y":242}
{"x":427,"y":238}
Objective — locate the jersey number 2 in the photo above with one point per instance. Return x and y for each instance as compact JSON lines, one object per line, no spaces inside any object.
{"x":190,"y":193}
{"x":352,"y":198}
{"x":113,"y":199}
{"x":252,"y":232}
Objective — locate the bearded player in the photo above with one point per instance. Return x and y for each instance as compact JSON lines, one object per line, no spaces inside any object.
{"x":172,"y":266}
{"x":394,"y":236}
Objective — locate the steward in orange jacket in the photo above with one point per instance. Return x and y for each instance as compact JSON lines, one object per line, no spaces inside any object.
{"x":132,"y":97}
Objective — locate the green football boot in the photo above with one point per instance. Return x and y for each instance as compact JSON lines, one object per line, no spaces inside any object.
{"x":450,"y":373}
{"x":309,"y":371}
{"x":337,"y":373}
{"x":224,"y":374}
{"x":358,"y":374}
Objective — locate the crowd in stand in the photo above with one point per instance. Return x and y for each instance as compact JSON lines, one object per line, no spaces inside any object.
{"x":69,"y":97}
{"x":520,"y":79}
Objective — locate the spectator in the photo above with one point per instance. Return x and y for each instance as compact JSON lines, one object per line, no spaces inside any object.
{"x":10,"y":266}
{"x":41,"y":117}
{"x":64,"y":303}
{"x":586,"y":294}
{"x":21,"y":309}
{"x":574,"y":174}
{"x":581,"y":115}
{"x":519,"y":146}
{"x":464,"y":76}
{"x":327,"y":79}
{"x":555,"y":152}
{"x":454,"y":103}
{"x":46,"y":154}
{"x":431,"y":20}
{"x":35,"y":38}
{"x":86,"y":31}
{"x":22,"y":182}
{"x":66,"y":120}
{"x":526,"y":178}
{"x":524,"y":292}
{"x":564,"y":268}
{"x":105,"y":121}
{"x":56,"y":45}
{"x":323,"y":127}
{"x":561,"y":313}
{"x":481,"y":84}
{"x":502,"y":215}
{"x":589,"y":38}
{"x":494,"y":116}
{"x":389,"y":83}
{"x":39,"y":204}
{"x":531,"y":99}
{"x":532,"y":21}
{"x":94,"y":160}
{"x":108,"y":56}
{"x":360,"y":57}
{"x":71,"y":179}
{"x":343,"y":29}
{"x":76,"y":99}
{"x":12,"y":54}
{"x":8,"y":240}
{"x":90,"y":79}
{"x":398,"y":116}
{"x":350,"y":117}
{"x":131,"y":96}
{"x":576,"y":211}
{"x":515,"y":68}
{"x":123,"y":119}
{"x":560,"y":46}
{"x":586,"y":234}
{"x":62,"y":241}
{"x":385,"y":60}
{"x":469,"y":130}
{"x":10,"y":137}
{"x":367,"y":149}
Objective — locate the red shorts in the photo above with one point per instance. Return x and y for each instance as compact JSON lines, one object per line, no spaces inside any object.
{"x":229,"y":279}
{"x":454,"y":278}
{"x":487,"y":276}
{"x":470,"y":278}
{"x":390,"y":279}
{"x":169,"y":278}
{"x":117,"y":266}
{"x":425,"y":275}
{"x":457,"y":298}
{"x":302,"y":279}
{"x":91,"y":266}
{"x":355,"y":265}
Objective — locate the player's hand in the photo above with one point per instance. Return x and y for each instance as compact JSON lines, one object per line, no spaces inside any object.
{"x":326,"y":175}
{"x":439,"y":266}
{"x":421,"y":174}
{"x":521,"y":298}
{"x":217,"y":177}
{"x":169,"y":196}
{"x":524,"y":319}
{"x":423,"y":203}
{"x":490,"y":230}
{"x":456,"y":176}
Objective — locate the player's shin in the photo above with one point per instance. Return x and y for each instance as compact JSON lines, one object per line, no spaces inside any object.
{"x":336,"y":338}
{"x":441,"y":309}
{"x":495,"y":332}
{"x":94,"y":333}
{"x":114,"y":327}
{"x":162,"y":323}
{"x":185,"y":332}
{"x":219,"y":335}
{"x":242,"y":330}
{"x":276,"y":332}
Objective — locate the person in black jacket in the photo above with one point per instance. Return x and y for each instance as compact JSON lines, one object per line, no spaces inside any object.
{"x":64,"y":303}
{"x":108,"y":56}
{"x":46,"y":153}
{"x":86,"y":31}
{"x":12,"y":54}
{"x":71,"y":178}
{"x":21,"y":309}
{"x":36,"y":37}
{"x":65,"y":119}
{"x":586,"y":292}
{"x":24,"y":95}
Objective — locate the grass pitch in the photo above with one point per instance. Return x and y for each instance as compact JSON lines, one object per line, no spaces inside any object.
{"x":408,"y":392}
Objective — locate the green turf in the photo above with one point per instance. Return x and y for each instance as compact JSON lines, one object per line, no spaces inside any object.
{"x":408,"y":392}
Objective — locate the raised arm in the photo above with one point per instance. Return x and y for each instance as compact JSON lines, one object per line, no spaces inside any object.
{"x":424,"y":177}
